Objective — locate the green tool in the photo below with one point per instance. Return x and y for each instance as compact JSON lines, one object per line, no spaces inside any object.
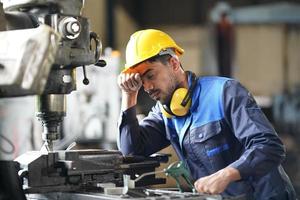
{"x":175,"y":170}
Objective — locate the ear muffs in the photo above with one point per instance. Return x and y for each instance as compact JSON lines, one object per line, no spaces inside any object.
{"x":180,"y":102}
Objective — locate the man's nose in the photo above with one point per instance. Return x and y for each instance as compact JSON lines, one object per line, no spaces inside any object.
{"x":147,"y":86}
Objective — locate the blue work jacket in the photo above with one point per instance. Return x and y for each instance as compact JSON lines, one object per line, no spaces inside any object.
{"x":224,"y":127}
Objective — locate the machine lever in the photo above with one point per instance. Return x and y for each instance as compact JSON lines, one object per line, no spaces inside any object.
{"x":85,"y":79}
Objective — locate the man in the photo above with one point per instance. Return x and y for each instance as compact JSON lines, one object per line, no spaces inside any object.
{"x":213,"y":123}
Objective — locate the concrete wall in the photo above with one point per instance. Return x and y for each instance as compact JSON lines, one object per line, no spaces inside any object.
{"x":191,"y":39}
{"x":95,"y":11}
{"x":125,"y":26}
{"x":264,"y":54}
{"x":259,"y":58}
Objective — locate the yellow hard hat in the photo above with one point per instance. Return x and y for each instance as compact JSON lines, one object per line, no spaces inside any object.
{"x":145,"y":44}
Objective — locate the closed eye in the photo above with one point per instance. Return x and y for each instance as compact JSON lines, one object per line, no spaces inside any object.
{"x":150,"y":76}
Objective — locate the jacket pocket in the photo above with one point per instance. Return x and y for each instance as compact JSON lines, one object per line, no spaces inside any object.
{"x":211,"y":146}
{"x":206,"y":131}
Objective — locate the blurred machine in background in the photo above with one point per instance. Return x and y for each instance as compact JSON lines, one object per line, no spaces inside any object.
{"x":286,"y":115}
{"x":94,"y":110}
{"x":286,"y":112}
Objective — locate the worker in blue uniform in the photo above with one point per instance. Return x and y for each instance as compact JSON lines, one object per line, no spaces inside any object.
{"x":213,"y":123}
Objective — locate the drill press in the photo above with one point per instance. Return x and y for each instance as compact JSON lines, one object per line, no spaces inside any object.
{"x":74,"y":49}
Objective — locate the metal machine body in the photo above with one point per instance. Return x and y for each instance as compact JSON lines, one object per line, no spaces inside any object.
{"x":70,"y":45}
{"x":74,"y":47}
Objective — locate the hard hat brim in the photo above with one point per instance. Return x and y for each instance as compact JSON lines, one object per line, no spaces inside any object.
{"x":138,"y":67}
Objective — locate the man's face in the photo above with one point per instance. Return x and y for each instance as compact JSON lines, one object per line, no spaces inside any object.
{"x":159,"y":81}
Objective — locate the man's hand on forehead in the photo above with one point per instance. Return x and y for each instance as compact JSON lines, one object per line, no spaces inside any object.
{"x":130,"y":82}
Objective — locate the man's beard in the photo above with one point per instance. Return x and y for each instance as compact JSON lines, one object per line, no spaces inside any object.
{"x":168,"y":97}
{"x":167,"y":100}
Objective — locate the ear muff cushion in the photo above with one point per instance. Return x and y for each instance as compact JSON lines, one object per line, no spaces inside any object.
{"x":176,"y":102}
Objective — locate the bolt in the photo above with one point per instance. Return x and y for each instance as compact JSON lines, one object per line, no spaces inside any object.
{"x":75,"y":27}
{"x":67,"y":79}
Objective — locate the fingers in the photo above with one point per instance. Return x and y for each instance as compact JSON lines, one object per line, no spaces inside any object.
{"x":137,"y":77}
{"x":210,"y":185}
{"x":129,"y":82}
{"x":200,"y":187}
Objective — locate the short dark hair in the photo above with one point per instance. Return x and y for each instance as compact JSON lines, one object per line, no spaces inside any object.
{"x":164,"y":59}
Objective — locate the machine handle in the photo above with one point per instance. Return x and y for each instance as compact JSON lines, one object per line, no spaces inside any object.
{"x":98,"y":49}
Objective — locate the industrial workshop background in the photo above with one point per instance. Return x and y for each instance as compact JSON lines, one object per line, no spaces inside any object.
{"x":254,"y":41}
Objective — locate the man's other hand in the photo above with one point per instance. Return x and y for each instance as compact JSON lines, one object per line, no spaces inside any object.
{"x":216,"y":183}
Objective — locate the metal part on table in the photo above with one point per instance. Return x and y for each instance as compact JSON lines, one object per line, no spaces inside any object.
{"x":132,"y":194}
{"x":81,"y":170}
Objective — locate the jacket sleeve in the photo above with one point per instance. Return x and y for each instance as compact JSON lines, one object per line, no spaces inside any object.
{"x":144,"y":138}
{"x":263,"y":150}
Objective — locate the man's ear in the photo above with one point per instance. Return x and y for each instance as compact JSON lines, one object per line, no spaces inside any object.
{"x":175,"y":63}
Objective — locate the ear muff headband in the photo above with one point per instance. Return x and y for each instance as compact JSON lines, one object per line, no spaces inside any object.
{"x":190,"y":91}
